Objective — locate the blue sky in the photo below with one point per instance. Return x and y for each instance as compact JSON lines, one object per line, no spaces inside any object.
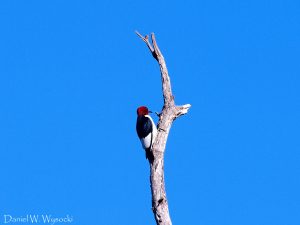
{"x":72,"y":74}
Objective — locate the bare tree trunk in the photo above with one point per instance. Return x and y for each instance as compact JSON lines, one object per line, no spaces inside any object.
{"x":169,"y":113}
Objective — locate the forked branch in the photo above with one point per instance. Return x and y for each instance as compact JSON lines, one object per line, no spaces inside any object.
{"x":169,"y":113}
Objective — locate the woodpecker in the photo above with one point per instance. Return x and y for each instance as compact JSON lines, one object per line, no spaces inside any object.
{"x":146,"y":130}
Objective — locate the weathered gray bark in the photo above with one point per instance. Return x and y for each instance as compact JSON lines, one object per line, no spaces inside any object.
{"x":169,"y":113}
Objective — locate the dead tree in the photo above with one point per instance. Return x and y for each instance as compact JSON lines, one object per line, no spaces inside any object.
{"x":169,"y":113}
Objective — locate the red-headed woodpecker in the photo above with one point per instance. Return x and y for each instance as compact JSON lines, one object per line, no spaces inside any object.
{"x":146,"y":130}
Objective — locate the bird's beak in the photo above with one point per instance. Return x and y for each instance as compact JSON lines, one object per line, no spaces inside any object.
{"x":150,"y":112}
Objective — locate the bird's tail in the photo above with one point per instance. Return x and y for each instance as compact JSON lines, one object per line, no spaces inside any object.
{"x":149,"y":155}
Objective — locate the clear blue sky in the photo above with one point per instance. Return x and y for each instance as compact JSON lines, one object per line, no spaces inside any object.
{"x":72,"y":74}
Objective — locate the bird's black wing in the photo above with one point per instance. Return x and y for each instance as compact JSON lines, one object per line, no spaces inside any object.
{"x":143,"y":126}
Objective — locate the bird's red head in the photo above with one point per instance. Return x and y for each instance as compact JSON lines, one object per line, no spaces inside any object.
{"x":142,"y":111}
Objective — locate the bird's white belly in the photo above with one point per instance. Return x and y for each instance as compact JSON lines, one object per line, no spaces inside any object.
{"x":146,"y":142}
